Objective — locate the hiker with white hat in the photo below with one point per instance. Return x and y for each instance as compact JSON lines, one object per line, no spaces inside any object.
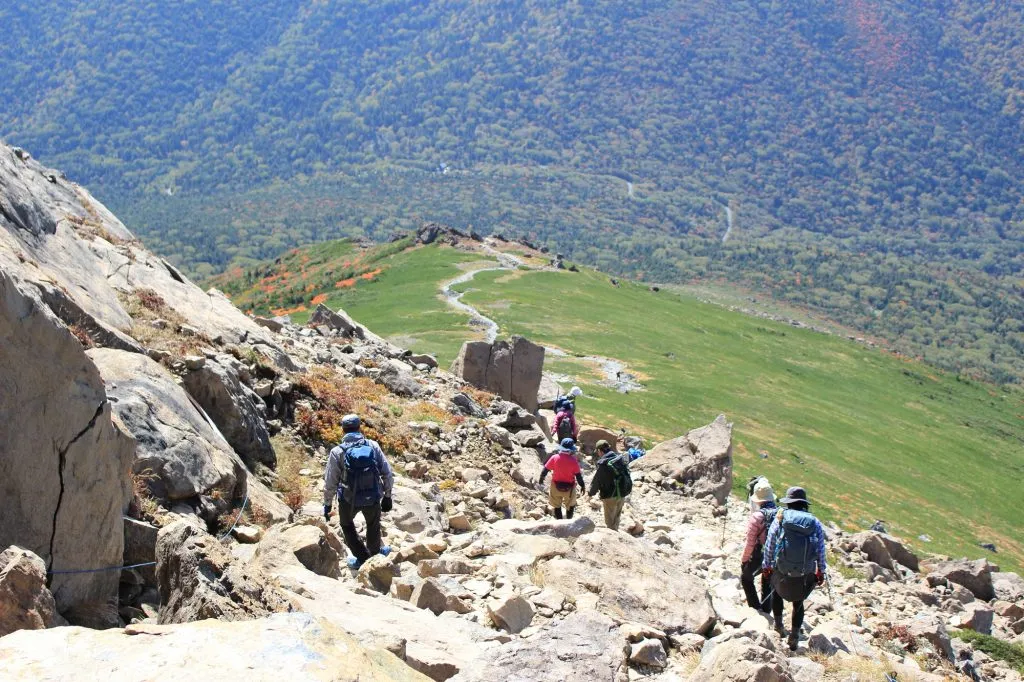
{"x":763,"y":509}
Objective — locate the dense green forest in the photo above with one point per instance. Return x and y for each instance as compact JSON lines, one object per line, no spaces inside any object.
{"x":871,"y":150}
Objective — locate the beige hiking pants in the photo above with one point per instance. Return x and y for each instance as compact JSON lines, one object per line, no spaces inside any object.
{"x":613,"y":511}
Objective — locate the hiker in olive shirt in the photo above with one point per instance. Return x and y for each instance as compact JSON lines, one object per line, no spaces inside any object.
{"x":612,"y":481}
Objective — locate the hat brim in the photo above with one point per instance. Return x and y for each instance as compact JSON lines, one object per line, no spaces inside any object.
{"x":791,"y":500}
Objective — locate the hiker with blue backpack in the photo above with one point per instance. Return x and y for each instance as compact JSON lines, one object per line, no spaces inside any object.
{"x":361,"y":478}
{"x":565,"y":425}
{"x":794,"y":559}
{"x":762,"y":513}
{"x":612,"y":482}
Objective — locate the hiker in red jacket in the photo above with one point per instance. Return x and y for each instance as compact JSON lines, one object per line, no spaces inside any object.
{"x":566,"y":475}
{"x":565,"y":425}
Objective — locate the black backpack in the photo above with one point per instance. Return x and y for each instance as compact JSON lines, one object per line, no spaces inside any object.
{"x":621,"y":483}
{"x":362,"y":486}
{"x":565,"y":427}
{"x":564,"y":402}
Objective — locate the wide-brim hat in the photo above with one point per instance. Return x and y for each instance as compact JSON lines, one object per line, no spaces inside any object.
{"x":763,"y":492}
{"x":795,"y":494}
{"x":568,"y":444}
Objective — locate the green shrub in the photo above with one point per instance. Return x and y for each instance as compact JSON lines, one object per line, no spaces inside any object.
{"x":996,"y":648}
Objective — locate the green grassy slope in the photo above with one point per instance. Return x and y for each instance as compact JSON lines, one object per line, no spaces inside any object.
{"x":870,"y":434}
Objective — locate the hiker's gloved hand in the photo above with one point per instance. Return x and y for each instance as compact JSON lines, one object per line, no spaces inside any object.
{"x":327,"y":513}
{"x":583,"y":489}
{"x":819,"y":576}
{"x":386,"y":504}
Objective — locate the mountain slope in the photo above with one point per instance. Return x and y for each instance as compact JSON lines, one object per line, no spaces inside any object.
{"x":871,"y":150}
{"x":875,"y":434}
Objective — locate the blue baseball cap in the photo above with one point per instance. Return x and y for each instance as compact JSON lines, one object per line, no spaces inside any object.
{"x":568,"y":444}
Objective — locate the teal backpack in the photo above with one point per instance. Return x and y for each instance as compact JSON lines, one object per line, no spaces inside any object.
{"x":795,"y":553}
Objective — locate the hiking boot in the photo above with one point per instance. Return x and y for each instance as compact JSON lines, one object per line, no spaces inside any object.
{"x":354,"y":563}
{"x":780,"y":629}
{"x":385,"y":550}
{"x":793,"y":641}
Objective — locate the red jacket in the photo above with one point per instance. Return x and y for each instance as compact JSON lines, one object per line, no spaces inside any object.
{"x":565,"y":414}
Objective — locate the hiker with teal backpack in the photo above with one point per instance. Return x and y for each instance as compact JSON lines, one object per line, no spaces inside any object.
{"x":612,"y":481}
{"x":762,"y":513}
{"x":794,"y":559}
{"x":361,"y":478}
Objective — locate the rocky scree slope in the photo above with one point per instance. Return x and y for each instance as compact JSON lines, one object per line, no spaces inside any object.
{"x":146,"y":415}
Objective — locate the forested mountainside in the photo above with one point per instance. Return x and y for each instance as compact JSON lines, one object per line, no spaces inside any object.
{"x":870,"y":150}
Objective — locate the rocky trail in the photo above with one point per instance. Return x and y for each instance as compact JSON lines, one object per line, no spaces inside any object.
{"x":201,"y":470}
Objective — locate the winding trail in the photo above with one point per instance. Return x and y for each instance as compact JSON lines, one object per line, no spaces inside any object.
{"x":728,"y":229}
{"x":614,"y":371}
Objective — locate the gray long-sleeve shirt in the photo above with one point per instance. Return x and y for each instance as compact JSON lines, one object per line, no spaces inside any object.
{"x":336,"y":467}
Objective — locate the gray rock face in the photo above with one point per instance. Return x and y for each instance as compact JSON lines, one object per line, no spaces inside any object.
{"x":584,"y":647}
{"x":256,"y":650}
{"x":569,"y":528}
{"x":64,"y":469}
{"x":417,"y":510}
{"x":140,"y":547}
{"x":184,"y":453}
{"x":632,"y":583}
{"x":510,"y":369}
{"x":198,"y":579}
{"x":932,"y":630}
{"x":56,"y":235}
{"x":25,"y":603}
{"x":701,"y":460}
{"x":232,"y":407}
{"x":547,"y":393}
{"x":976,"y":576}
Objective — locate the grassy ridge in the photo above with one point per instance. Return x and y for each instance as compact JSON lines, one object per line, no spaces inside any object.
{"x":871,"y":435}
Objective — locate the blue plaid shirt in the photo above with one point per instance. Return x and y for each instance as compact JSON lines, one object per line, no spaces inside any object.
{"x":775,"y":534}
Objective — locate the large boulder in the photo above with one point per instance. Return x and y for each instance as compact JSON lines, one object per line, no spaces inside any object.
{"x":584,"y":647}
{"x":931,"y":629}
{"x":309,"y":542}
{"x":558,"y":528}
{"x":511,"y":369}
{"x":25,"y":603}
{"x":335,"y":321}
{"x":885,"y":550}
{"x":590,"y":435}
{"x":741,"y":660}
{"x":65,"y":465}
{"x":976,"y":576}
{"x":180,"y":453}
{"x":417,"y":508}
{"x":198,"y":579}
{"x":1008,"y":586}
{"x":632,"y":581}
{"x":701,"y":460}
{"x":309,"y":649}
{"x":232,"y":407}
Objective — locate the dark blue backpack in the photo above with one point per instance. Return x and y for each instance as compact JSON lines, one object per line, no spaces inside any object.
{"x":361,"y":486}
{"x":564,"y":402}
{"x":795,"y":553}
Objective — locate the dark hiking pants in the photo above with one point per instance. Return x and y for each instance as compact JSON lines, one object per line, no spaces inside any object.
{"x":794,"y":590}
{"x":347,"y":518}
{"x":748,"y":572}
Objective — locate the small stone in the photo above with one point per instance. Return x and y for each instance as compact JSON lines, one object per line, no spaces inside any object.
{"x":247,"y":534}
{"x":512,"y":614}
{"x":649,"y":652}
{"x":470,"y":474}
{"x":377,"y":573}
{"x":459,"y":522}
